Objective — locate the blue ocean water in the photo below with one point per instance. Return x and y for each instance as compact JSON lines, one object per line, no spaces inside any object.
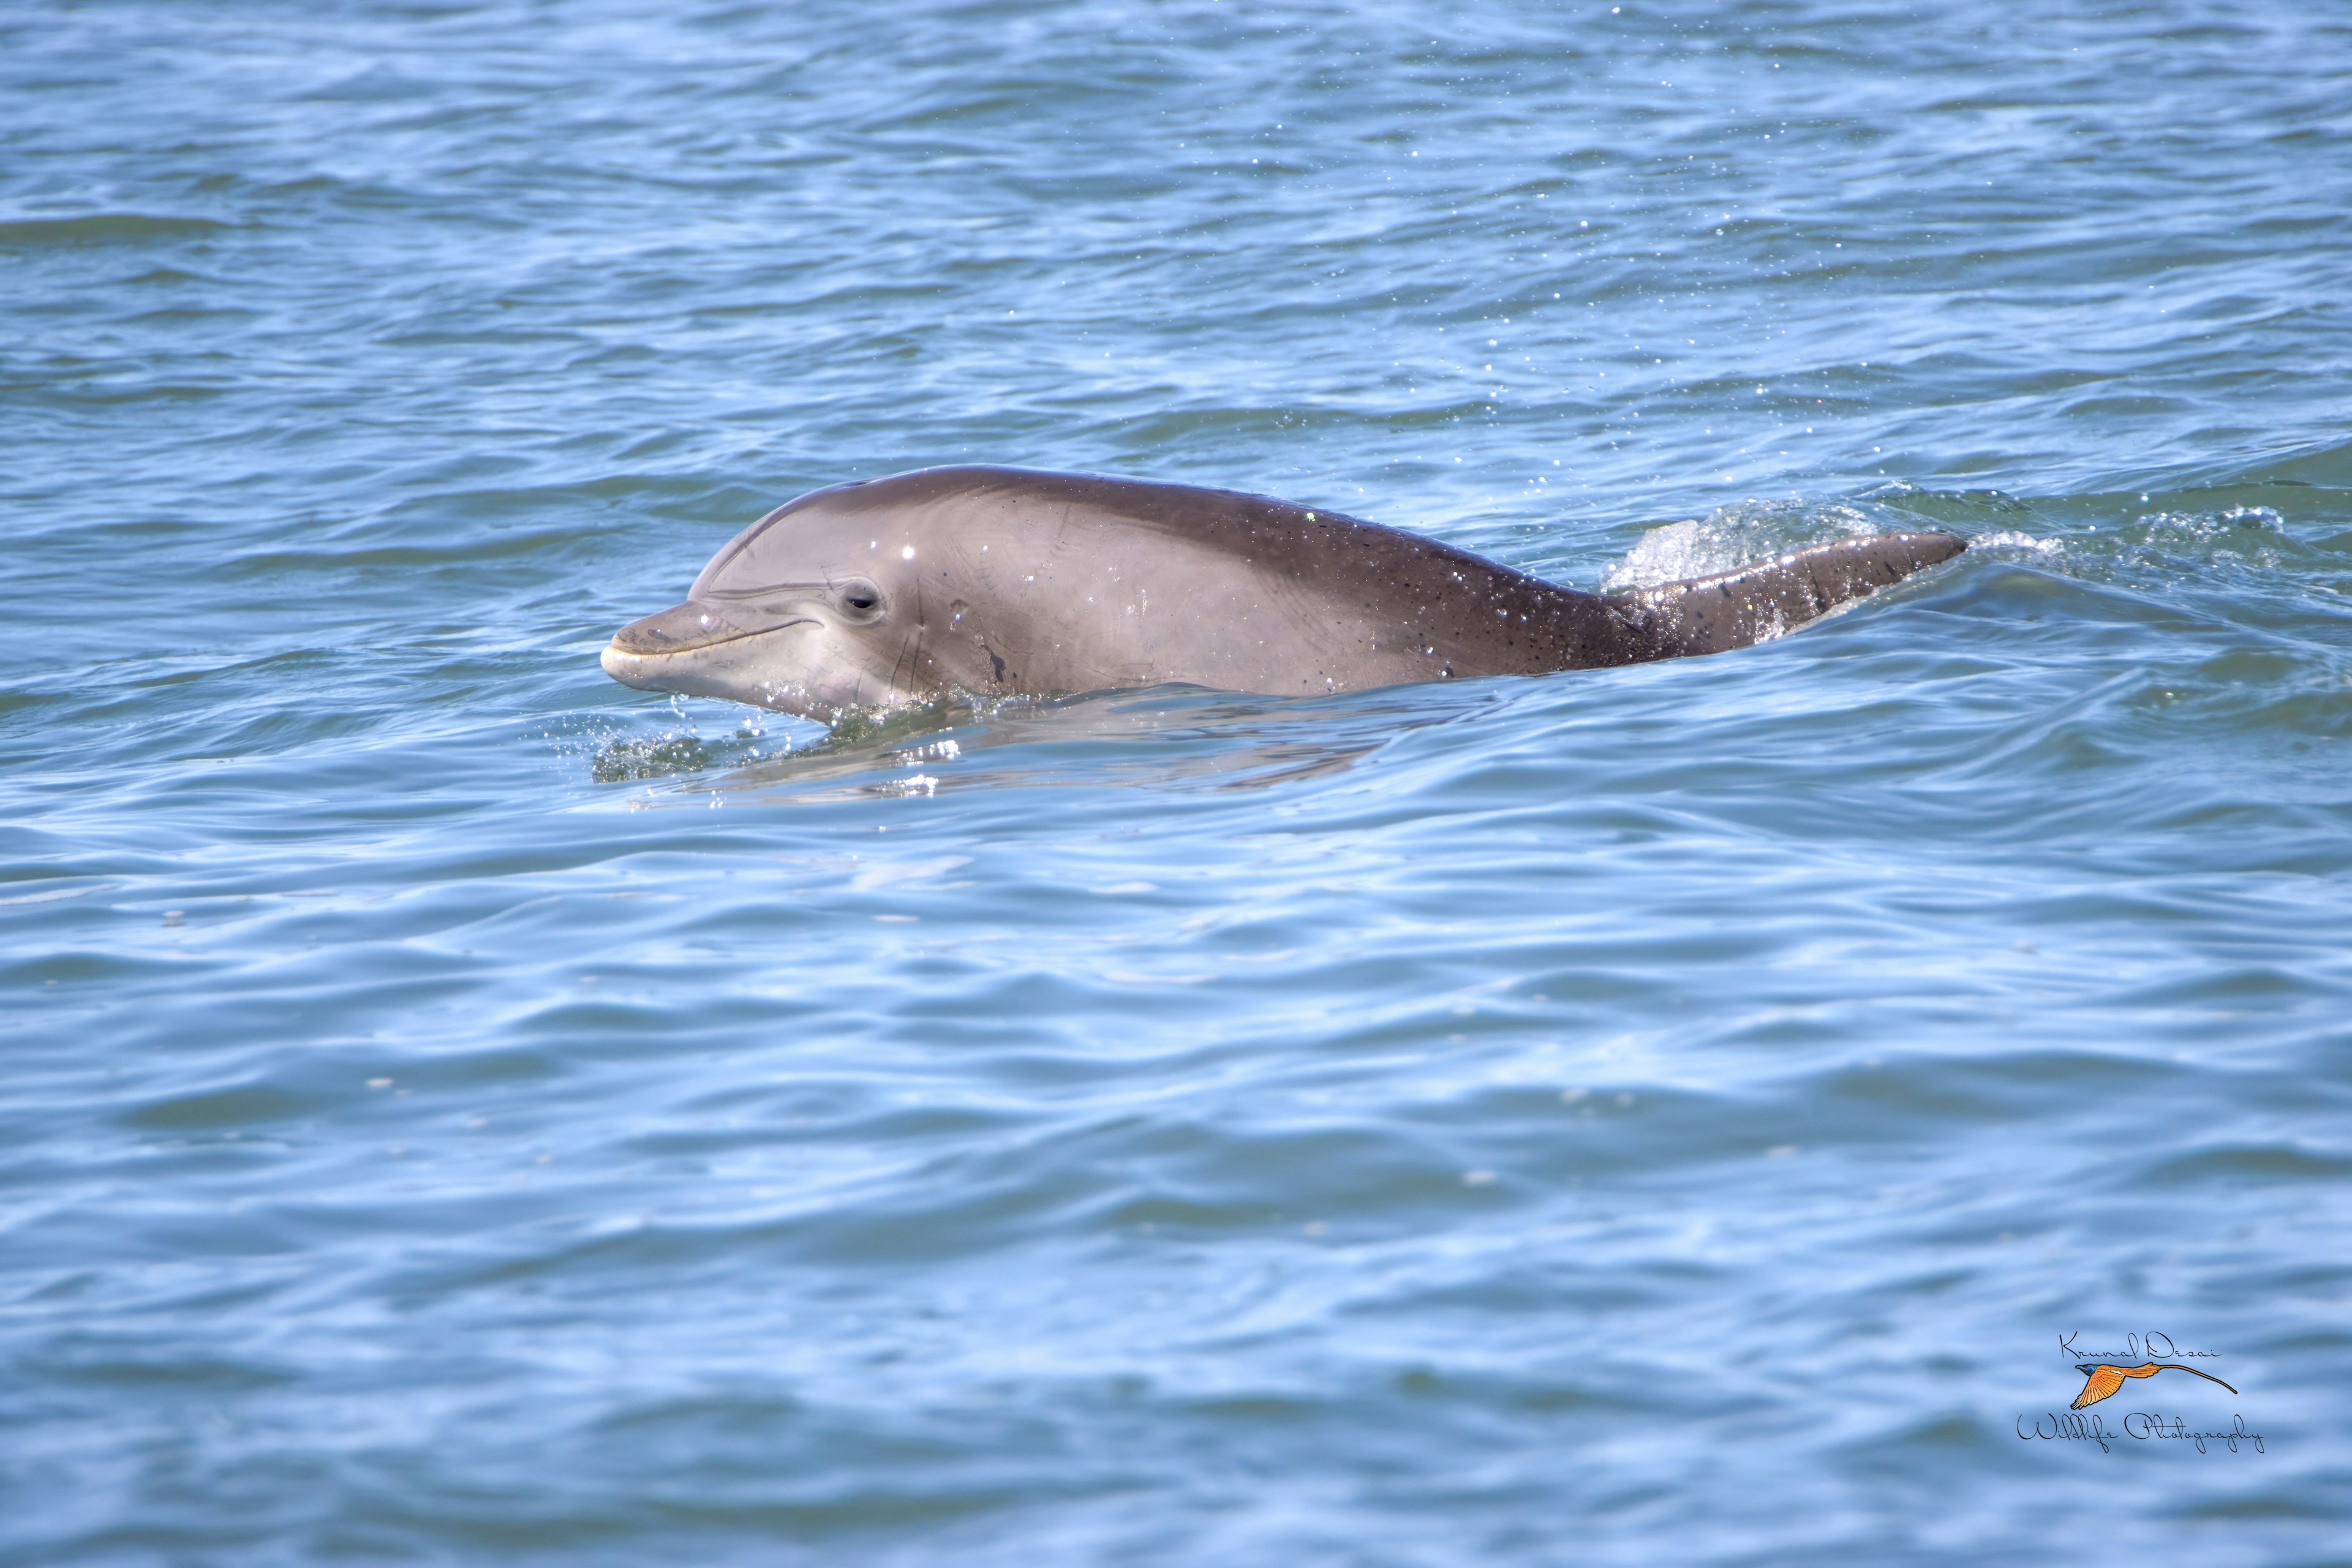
{"x":457,"y":1109}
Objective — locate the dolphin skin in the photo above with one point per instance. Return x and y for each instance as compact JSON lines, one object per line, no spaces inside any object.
{"x":1004,"y":582}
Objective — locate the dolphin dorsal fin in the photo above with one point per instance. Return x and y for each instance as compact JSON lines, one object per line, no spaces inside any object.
{"x":1770,"y":598}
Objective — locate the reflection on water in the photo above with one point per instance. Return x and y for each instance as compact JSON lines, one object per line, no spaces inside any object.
{"x":1170,"y":737}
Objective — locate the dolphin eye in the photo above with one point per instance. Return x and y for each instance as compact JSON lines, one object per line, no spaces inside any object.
{"x":859,"y":600}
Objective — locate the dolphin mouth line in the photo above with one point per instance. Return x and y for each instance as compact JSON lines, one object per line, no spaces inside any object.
{"x":684,"y":669}
{"x":678,"y":650}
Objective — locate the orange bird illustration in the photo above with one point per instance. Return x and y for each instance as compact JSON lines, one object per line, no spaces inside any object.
{"x":2106,"y":1378}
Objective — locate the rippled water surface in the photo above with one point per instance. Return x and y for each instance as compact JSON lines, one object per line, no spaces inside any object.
{"x":457,"y":1109}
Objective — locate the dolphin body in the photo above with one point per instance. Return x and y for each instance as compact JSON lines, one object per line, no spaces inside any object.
{"x":1007,"y":581}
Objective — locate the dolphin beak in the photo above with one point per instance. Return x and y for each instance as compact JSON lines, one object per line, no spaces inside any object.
{"x":628,"y":668}
{"x":645,"y":654}
{"x":700,"y":623}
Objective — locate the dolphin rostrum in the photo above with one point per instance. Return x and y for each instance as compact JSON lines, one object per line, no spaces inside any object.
{"x":1007,"y":581}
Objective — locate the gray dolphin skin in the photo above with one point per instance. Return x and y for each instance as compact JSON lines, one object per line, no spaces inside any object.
{"x":1002,"y":581}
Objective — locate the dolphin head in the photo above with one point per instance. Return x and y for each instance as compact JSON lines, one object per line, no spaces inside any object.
{"x":811,"y":610}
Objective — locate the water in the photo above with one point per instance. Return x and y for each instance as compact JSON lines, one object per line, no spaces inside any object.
{"x":458,"y":1109}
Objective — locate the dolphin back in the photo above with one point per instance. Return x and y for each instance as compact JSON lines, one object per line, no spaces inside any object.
{"x":1756,"y":604}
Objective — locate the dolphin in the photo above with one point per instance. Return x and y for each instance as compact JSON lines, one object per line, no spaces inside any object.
{"x":1007,"y":581}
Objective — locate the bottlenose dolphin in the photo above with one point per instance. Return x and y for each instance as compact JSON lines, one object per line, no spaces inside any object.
{"x":1005,"y":582}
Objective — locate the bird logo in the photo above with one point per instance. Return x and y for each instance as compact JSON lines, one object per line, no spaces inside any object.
{"x":2106,"y":1377}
